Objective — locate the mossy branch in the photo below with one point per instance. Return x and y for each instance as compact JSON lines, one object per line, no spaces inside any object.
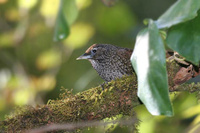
{"x":119,"y":97}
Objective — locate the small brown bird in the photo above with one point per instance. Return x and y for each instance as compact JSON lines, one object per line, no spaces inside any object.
{"x":109,"y":61}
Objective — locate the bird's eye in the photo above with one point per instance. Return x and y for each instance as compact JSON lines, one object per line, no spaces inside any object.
{"x":94,"y":50}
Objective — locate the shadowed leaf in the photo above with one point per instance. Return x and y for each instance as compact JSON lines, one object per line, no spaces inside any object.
{"x":185,"y":39}
{"x":181,"y":11}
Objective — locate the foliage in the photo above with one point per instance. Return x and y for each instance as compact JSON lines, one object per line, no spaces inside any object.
{"x":33,"y":67}
{"x":151,"y":70}
{"x":148,"y":56}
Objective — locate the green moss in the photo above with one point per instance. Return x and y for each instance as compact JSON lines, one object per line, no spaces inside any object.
{"x":119,"y":97}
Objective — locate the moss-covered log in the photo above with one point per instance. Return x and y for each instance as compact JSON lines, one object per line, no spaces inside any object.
{"x":118,"y":97}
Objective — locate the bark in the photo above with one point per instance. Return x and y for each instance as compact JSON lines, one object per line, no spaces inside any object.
{"x":118,"y":97}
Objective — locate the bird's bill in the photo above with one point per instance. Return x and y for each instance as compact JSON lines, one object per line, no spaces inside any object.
{"x":84,"y":56}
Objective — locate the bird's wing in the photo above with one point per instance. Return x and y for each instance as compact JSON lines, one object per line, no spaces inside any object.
{"x":125,"y":55}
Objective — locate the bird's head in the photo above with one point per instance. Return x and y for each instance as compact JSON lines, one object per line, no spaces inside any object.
{"x":94,"y":52}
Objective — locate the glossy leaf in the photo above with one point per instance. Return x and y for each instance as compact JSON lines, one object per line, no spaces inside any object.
{"x":185,"y":39}
{"x":70,"y":10}
{"x":61,"y":27}
{"x":66,"y":16}
{"x":148,"y":60}
{"x":181,"y":11}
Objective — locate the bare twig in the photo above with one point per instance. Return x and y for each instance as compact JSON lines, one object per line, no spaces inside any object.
{"x":73,"y":126}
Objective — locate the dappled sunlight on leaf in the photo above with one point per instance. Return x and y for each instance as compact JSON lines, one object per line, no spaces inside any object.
{"x":14,"y":82}
{"x":21,"y":90}
{"x":2,"y":103}
{"x":35,"y":29}
{"x":192,"y":111}
{"x":80,"y":34}
{"x":46,"y":82}
{"x":27,"y":4}
{"x":3,"y":1}
{"x":49,"y":8}
{"x":13,"y":15}
{"x":196,"y":120}
{"x":82,"y":4}
{"x":48,"y":59}
{"x":6,"y":40}
{"x":23,"y":96}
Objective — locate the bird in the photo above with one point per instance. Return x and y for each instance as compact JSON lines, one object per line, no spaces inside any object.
{"x":110,"y":61}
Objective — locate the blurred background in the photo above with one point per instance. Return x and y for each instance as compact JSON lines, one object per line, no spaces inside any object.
{"x":33,"y":67}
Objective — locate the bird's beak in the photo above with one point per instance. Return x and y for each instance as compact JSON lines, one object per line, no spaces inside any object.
{"x":84,"y":56}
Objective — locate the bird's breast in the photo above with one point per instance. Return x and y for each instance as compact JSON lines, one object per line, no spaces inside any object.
{"x":107,"y":70}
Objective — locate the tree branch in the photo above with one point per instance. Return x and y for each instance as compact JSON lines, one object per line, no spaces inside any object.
{"x":119,"y":97}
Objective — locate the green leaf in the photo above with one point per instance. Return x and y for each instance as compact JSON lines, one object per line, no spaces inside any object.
{"x":185,"y":39}
{"x":148,"y":60}
{"x":66,"y":16}
{"x":181,"y":11}
{"x":70,"y":10}
{"x":61,"y":27}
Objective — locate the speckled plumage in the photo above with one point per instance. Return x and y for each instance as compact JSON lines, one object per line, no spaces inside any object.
{"x":109,"y":61}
